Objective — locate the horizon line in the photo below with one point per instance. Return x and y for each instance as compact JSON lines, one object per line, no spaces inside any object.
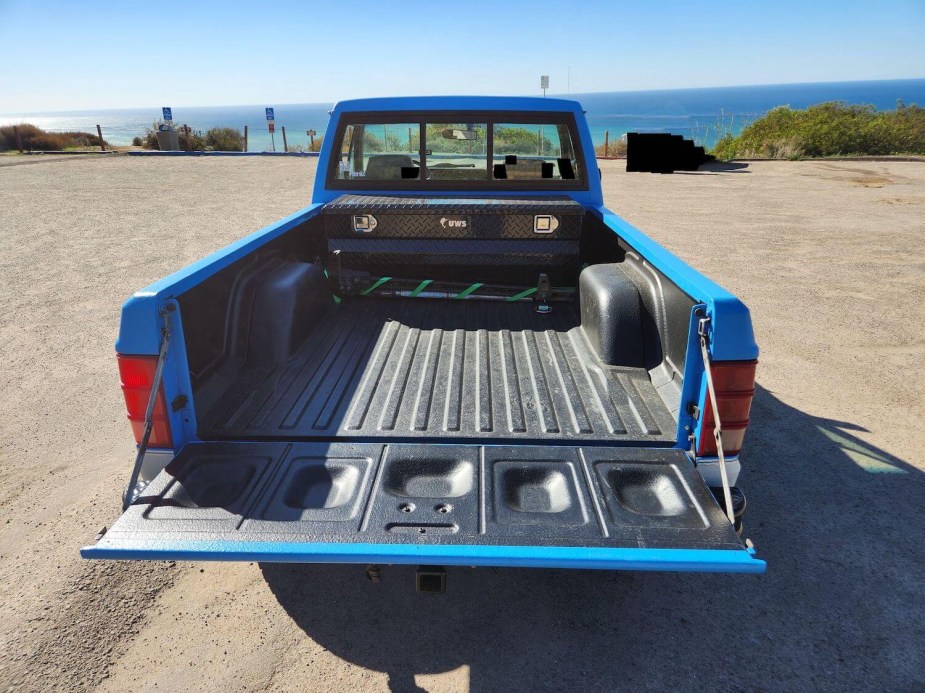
{"x":570,"y":95}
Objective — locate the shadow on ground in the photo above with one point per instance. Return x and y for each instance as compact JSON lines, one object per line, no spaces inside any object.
{"x":717,"y":167}
{"x":840,"y":524}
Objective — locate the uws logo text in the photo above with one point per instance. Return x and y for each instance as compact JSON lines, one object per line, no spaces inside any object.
{"x":454,"y":222}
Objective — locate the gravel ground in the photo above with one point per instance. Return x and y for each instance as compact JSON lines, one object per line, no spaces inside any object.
{"x":829,"y":256}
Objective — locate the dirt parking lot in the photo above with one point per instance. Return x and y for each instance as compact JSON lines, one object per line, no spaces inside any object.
{"x":830,"y":257}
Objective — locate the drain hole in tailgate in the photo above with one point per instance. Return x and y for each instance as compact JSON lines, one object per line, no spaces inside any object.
{"x":321,"y":486}
{"x":647,"y":491}
{"x":428,"y":478}
{"x":536,"y":490}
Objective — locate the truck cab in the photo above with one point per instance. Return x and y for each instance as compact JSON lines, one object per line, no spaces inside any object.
{"x":455,"y":355}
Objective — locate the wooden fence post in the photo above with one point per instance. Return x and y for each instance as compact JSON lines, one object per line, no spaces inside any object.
{"x":285,"y":145}
{"x":18,"y":138}
{"x":189,"y":140}
{"x":99,"y":131}
{"x":245,"y":138}
{"x":606,"y":143}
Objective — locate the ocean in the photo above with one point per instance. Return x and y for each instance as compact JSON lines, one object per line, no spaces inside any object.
{"x":700,"y":114}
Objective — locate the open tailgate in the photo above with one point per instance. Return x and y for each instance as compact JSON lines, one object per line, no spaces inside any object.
{"x":523,"y":506}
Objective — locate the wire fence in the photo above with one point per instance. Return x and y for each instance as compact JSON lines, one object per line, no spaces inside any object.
{"x":25,"y":137}
{"x":608,"y":141}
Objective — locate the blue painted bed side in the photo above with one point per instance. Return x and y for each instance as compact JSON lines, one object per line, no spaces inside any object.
{"x":676,"y":560}
{"x":177,"y":382}
{"x":591,"y":197}
{"x":731,"y":335}
{"x":731,"y":324}
{"x":139,"y":329}
{"x":142,"y":320}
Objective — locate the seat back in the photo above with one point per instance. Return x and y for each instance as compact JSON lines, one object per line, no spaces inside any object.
{"x":387,"y":166}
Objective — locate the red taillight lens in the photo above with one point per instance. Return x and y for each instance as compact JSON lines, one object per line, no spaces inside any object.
{"x":137,"y":375}
{"x":735,"y":388}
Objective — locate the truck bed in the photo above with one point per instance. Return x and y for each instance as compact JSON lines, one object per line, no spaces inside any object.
{"x":464,"y":370}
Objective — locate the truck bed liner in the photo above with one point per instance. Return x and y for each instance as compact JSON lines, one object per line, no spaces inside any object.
{"x":419,"y":368}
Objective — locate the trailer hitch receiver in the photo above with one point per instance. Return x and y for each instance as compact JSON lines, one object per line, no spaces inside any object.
{"x":430,"y":579}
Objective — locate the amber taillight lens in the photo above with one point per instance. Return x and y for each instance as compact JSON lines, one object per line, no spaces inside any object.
{"x":735,"y":388}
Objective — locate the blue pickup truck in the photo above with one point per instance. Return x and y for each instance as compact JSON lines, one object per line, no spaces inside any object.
{"x":455,"y":355}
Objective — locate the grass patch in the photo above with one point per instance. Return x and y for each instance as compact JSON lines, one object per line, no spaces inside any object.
{"x":828,"y":129}
{"x":35,"y":139}
{"x":308,"y":147}
{"x":615,"y":147}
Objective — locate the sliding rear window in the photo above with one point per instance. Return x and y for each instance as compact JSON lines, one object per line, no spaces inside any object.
{"x":457,"y":151}
{"x":533,"y":151}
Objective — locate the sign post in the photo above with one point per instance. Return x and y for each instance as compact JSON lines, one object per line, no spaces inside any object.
{"x":168,"y":113}
{"x":271,"y":126}
{"x":311,"y":136}
{"x":544,"y":84}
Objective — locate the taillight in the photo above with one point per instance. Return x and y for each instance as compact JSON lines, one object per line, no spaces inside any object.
{"x":137,"y":376}
{"x":735,"y":388}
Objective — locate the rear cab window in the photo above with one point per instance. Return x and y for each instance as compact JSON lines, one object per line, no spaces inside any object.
{"x":530,"y":151}
{"x":509,"y":151}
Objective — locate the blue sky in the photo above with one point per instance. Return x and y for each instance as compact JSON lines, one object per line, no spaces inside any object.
{"x":59,"y":55}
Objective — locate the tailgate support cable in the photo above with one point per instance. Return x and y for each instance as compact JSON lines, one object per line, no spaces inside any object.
{"x":718,"y":429}
{"x":128,"y":497}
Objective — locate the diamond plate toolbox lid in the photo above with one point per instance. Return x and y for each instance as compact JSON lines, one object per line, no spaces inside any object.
{"x":383,"y":216}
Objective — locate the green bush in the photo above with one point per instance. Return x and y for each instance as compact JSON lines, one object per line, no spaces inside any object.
{"x":224,"y":140}
{"x":192,"y":140}
{"x":149,"y":139}
{"x":307,"y":147}
{"x":36,"y":139}
{"x":828,"y":129}
{"x":214,"y":140}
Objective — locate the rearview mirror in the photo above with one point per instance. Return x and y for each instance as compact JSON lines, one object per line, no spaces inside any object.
{"x":453,"y":134}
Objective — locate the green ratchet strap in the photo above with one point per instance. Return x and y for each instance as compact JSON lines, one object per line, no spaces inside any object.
{"x":379,"y":282}
{"x":419,"y":289}
{"x":522,"y":294}
{"x":466,"y":292}
{"x":327,"y":276}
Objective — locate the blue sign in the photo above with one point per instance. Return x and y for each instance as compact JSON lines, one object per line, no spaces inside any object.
{"x":270,"y":114}
{"x":168,"y":114}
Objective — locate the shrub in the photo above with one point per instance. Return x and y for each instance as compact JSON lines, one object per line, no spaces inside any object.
{"x":194,"y":140}
{"x":36,"y":139}
{"x":149,"y":139}
{"x":726,"y":147}
{"x":828,"y":129}
{"x":224,"y":140}
{"x":615,"y":147}
{"x":215,"y":139}
{"x":308,"y":147}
